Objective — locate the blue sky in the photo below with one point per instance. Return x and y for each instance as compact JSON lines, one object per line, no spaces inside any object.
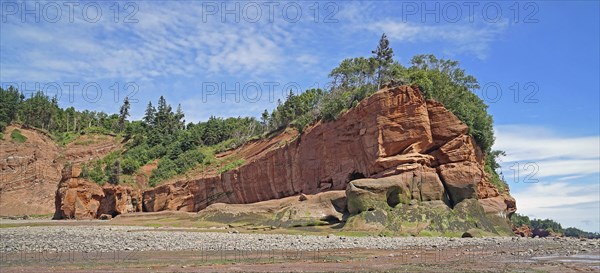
{"x":191,"y":51}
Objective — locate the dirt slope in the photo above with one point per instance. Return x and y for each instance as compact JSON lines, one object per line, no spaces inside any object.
{"x":30,"y":171}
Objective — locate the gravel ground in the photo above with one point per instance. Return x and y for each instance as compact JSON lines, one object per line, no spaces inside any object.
{"x":121,"y":238}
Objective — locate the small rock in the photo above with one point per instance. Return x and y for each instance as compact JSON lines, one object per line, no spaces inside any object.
{"x":302,"y":197}
{"x":105,"y":217}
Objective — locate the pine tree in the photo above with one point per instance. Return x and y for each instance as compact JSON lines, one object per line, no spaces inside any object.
{"x":265,"y":119}
{"x":161,"y":113}
{"x":124,"y":113}
{"x":115,"y":173}
{"x":150,"y":115}
{"x":384,"y":55}
{"x":179,"y":115}
{"x":10,"y":99}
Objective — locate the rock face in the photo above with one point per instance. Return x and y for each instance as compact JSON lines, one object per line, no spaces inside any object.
{"x":367,"y":194}
{"x":523,"y":231}
{"x":30,"y":171}
{"x":320,"y":209}
{"x":77,"y":198}
{"x":406,"y":147}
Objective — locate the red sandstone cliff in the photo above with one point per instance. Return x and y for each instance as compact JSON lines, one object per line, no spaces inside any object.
{"x":30,"y":171}
{"x":394,"y":132}
{"x":77,"y":198}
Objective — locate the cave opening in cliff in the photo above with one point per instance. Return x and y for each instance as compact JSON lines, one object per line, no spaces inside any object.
{"x":393,"y":197}
{"x":355,"y":175}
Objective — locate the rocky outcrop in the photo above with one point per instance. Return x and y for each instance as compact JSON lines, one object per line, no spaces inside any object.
{"x":408,"y":148}
{"x":31,"y":171}
{"x":120,"y":199}
{"x":304,"y":210}
{"x":422,"y":184}
{"x":77,"y":198}
{"x":523,"y":231}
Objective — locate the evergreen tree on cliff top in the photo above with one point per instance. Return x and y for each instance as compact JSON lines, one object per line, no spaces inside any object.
{"x":124,"y":113}
{"x":149,"y":115}
{"x":384,"y":57}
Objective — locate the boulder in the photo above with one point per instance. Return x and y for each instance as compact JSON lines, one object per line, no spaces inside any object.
{"x":540,"y":232}
{"x":302,"y":197}
{"x":461,"y":180}
{"x":369,"y":193}
{"x":105,"y":217}
{"x":459,"y":149}
{"x":444,"y":125}
{"x":320,"y":209}
{"x":523,"y":231}
{"x":77,"y":199}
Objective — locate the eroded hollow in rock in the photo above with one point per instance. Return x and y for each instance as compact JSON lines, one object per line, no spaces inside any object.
{"x":393,"y":197}
{"x":355,"y":175}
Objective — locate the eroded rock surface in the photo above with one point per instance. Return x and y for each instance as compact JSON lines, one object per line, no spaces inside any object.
{"x":394,"y":133}
{"x":77,"y":198}
{"x":31,"y":171}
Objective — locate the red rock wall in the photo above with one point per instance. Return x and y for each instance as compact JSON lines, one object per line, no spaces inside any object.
{"x":391,"y":132}
{"x":77,"y":198}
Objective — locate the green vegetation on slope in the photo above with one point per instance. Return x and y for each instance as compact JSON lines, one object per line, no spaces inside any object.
{"x":17,"y":136}
{"x":232,"y":165}
{"x":42,"y":112}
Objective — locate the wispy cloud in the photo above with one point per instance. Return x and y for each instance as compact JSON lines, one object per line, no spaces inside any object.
{"x":458,"y":38}
{"x":525,"y":142}
{"x":568,"y":203}
{"x":567,"y":169}
{"x":169,"y":39}
{"x":461,"y":37}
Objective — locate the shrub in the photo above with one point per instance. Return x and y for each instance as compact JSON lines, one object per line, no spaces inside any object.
{"x":168,"y":168}
{"x":232,"y":165}
{"x":17,"y":136}
{"x":129,"y":165}
{"x":97,"y":174}
{"x":519,"y":220}
{"x":157,"y":151}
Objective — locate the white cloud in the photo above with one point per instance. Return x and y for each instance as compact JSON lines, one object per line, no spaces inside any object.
{"x":566,"y":202}
{"x":565,"y":167}
{"x":459,"y":38}
{"x":169,"y":40}
{"x":462,"y":37}
{"x":535,"y":143}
